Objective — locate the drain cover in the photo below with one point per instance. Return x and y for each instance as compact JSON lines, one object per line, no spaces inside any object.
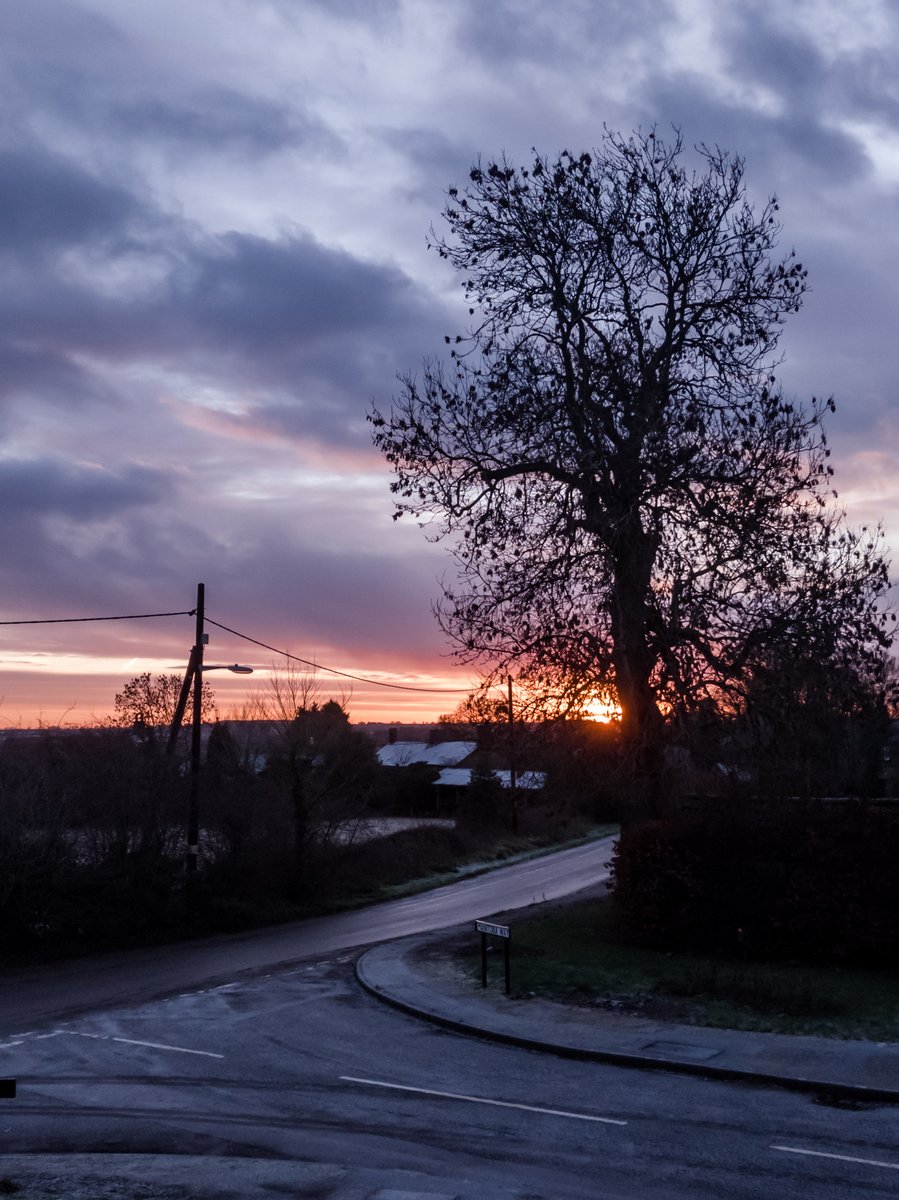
{"x":682,"y":1050}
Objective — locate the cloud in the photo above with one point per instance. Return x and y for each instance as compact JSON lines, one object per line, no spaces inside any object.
{"x":216,"y":120}
{"x":77,"y":491}
{"x":49,"y":202}
{"x":105,"y":280}
{"x":521,"y":34}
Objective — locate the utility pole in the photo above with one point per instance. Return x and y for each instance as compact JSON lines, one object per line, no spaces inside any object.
{"x":511,"y":713}
{"x":196,"y":662}
{"x":513,"y":778}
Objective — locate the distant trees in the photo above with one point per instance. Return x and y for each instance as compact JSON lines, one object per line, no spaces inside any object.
{"x":477,"y":711}
{"x":328,"y":769}
{"x":635,"y":506}
{"x":150,"y":701}
{"x":315,"y":763}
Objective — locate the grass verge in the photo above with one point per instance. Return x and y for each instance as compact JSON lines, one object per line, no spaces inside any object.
{"x":502,"y":854}
{"x":570,"y":952}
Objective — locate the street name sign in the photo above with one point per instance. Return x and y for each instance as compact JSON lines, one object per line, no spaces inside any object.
{"x":497,"y":930}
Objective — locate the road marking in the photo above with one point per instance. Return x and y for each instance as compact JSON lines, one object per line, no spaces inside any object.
{"x":867,"y":1162}
{"x":103,"y":1037}
{"x":163,"y":1046}
{"x":550,"y":1112}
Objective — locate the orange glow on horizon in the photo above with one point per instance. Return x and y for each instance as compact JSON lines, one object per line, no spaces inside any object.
{"x":80,"y":692}
{"x":603,"y":710}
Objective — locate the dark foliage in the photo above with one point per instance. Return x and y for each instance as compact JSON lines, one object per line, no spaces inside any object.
{"x":410,"y":854}
{"x":810,"y":882}
{"x":485,"y":804}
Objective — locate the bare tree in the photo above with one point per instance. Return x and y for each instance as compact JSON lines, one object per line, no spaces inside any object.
{"x":634,"y":504}
{"x":151,"y":700}
{"x":313,"y":756}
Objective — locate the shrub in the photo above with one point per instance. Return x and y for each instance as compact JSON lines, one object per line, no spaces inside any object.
{"x":813,"y":882}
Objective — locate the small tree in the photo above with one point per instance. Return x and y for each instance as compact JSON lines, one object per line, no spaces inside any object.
{"x":481,"y":805}
{"x":635,"y":505}
{"x":315,"y":759}
{"x":150,"y":701}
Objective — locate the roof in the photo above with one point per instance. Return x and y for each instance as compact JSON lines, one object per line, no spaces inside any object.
{"x":443,"y":754}
{"x":531,"y":781}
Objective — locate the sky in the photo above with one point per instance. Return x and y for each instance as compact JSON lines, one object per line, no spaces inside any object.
{"x":213,"y":248}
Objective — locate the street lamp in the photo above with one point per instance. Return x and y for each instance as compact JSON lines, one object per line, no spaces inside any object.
{"x":194,"y":675}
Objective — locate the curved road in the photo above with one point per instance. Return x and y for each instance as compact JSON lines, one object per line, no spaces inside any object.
{"x":32,"y":996}
{"x":284,"y":1078}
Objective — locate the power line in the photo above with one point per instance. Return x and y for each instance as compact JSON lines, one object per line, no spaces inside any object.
{"x":124,"y":617}
{"x":402,"y":687}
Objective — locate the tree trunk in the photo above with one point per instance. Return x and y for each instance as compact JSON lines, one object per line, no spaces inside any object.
{"x":641,"y":721}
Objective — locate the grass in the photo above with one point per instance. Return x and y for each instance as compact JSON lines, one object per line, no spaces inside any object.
{"x":497,"y":856}
{"x":570,"y":953}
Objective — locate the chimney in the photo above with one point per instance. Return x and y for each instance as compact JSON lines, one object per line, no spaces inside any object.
{"x":391,"y":736}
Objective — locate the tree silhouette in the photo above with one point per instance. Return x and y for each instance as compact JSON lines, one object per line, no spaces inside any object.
{"x":150,"y":700}
{"x":634,"y":504}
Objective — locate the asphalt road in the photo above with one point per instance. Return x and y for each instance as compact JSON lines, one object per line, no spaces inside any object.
{"x":289,"y":1080}
{"x":30,"y":996}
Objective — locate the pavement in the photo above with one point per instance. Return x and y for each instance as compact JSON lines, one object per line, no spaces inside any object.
{"x":419,"y":976}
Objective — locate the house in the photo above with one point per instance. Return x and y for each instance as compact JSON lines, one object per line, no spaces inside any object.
{"x":460,"y":777}
{"x":454,"y":780}
{"x":440,"y":754}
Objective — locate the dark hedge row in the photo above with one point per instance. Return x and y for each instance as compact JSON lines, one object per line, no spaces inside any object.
{"x":817,"y":883}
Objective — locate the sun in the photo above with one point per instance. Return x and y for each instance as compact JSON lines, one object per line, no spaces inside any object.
{"x":602,"y":709}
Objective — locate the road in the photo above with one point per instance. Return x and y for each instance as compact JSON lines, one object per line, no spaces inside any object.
{"x":287,"y":1079}
{"x":33,"y":995}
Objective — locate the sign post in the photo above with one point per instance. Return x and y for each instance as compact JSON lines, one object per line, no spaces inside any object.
{"x":489,"y":929}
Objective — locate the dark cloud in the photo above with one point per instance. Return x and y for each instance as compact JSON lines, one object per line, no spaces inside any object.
{"x":52,"y":57}
{"x":323,"y":327}
{"x":320,"y":325}
{"x":434,"y":163}
{"x":866,"y":85}
{"x":777,"y":147}
{"x":516,"y":33}
{"x":221,"y":120}
{"x":211,"y":120}
{"x":54,"y":487}
{"x":759,"y":50}
{"x":27,"y":371}
{"x":48,"y":202}
{"x":310,"y":585}
{"x":58,"y":33}
{"x":366,"y":12}
{"x":265,"y":293}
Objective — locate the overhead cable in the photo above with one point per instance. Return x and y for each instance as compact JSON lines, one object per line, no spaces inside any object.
{"x":123,"y":617}
{"x":403,"y":687}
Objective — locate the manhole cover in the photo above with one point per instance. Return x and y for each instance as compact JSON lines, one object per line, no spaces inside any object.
{"x":682,"y":1050}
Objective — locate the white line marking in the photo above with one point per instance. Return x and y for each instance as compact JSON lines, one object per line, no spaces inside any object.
{"x":162,"y":1046}
{"x":867,"y":1162}
{"x":550,"y":1112}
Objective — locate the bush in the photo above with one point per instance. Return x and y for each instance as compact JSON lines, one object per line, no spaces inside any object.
{"x":409,"y":854}
{"x":815,"y":883}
